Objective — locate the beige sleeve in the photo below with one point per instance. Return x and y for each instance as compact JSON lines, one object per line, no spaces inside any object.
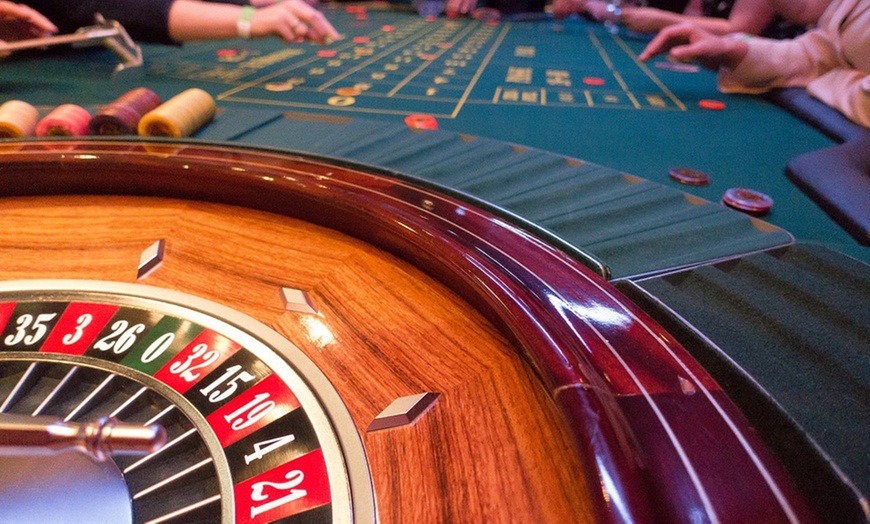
{"x":781,"y":63}
{"x":847,"y":91}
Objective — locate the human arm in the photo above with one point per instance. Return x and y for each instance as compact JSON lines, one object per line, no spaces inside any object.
{"x":846,"y":90}
{"x":747,"y":16}
{"x":289,"y":20}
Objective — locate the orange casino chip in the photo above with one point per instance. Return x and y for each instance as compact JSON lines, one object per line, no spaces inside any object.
{"x":712,"y":105}
{"x":420,"y":121}
{"x":348,"y":91}
{"x":388,"y":28}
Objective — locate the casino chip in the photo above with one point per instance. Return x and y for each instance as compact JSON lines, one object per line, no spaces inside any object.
{"x":712,"y":105}
{"x":593,"y":81}
{"x":122,"y":115}
{"x":348,"y":91}
{"x":748,"y":201}
{"x":17,"y":119}
{"x":65,"y":120}
{"x":326,"y":53}
{"x":420,"y":121}
{"x":181,"y":116}
{"x":689,"y":177}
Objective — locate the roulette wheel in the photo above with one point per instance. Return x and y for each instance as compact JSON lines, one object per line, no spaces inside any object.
{"x":328,"y":342}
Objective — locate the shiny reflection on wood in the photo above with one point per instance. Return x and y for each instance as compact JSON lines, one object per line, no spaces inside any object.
{"x":151,"y":258}
{"x":404,"y":411}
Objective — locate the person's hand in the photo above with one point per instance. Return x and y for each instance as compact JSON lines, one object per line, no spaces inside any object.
{"x":563,"y":8}
{"x":20,"y":22}
{"x":688,"y":43}
{"x":292,"y":20}
{"x":460,"y":6}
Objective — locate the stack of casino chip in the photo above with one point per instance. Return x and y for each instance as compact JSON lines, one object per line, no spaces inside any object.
{"x":122,"y":116}
{"x":17,"y":119}
{"x":181,"y":116}
{"x":64,"y":120}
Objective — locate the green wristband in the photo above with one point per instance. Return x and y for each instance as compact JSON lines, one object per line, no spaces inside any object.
{"x":243,"y":25}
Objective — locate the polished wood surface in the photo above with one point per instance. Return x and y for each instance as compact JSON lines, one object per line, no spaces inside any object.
{"x":493,"y":449}
{"x":655,"y":437}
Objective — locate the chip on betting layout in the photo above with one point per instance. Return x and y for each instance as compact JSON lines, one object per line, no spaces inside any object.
{"x":712,"y":105}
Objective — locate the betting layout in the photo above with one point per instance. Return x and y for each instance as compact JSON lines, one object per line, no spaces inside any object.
{"x":400,"y":63}
{"x":245,"y":440}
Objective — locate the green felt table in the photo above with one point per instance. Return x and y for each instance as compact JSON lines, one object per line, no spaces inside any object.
{"x":521,"y":83}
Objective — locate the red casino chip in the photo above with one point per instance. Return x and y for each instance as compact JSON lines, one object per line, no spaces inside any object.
{"x":326,"y":53}
{"x":360,"y":40}
{"x":593,"y":81}
{"x":712,"y":105}
{"x":388,"y":28}
{"x":689,"y":177}
{"x":419,"y":121}
{"x":65,"y":120}
{"x":748,"y":201}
